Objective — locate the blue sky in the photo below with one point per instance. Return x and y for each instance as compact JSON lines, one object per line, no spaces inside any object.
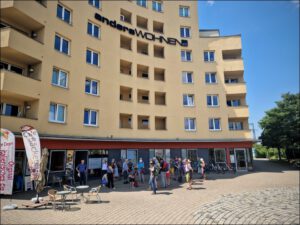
{"x":270,"y":41}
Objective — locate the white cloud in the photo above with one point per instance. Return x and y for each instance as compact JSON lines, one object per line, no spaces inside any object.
{"x":296,"y":3}
{"x":210,"y":2}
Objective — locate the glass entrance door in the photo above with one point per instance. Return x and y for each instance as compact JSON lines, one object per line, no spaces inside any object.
{"x":241,"y":162}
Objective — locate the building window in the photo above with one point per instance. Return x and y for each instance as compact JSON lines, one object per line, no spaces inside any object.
{"x":95,"y":3}
{"x":188,"y":100}
{"x":63,"y":13}
{"x":236,"y":126}
{"x":91,"y":87}
{"x":59,"y":78}
{"x":220,"y":155}
{"x":184,"y":11}
{"x":186,"y":56}
{"x":209,"y":56}
{"x":12,"y":68}
{"x":9,"y":110}
{"x":58,"y":160}
{"x":187,"y":77}
{"x":234,"y":103}
{"x":214,"y":124}
{"x":93,"y":30}
{"x":185,"y":32}
{"x":212,"y":100}
{"x":190,"y":124}
{"x":210,"y":78}
{"x":92,"y":57}
{"x":61,"y":44}
{"x":157,"y":6}
{"x":90,"y":117}
{"x":57,"y":113}
{"x":142,"y":3}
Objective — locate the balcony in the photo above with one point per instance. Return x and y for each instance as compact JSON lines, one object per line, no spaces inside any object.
{"x":125,"y":67}
{"x":159,"y":74}
{"x":126,"y":121}
{"x":142,"y":71}
{"x":143,"y":122}
{"x":160,"y":123}
{"x":18,"y":86}
{"x":125,"y":42}
{"x":142,"y":48}
{"x":236,"y":100}
{"x":235,"y":88}
{"x":233,"y":65}
{"x":160,"y":98}
{"x":238,"y":112}
{"x":125,"y":16}
{"x":16,"y":46}
{"x":232,"y":54}
{"x":28,"y":14}
{"x":142,"y":22}
{"x":158,"y":27}
{"x":159,"y":51}
{"x":125,"y":94}
{"x":143,"y":96}
{"x":14,"y":123}
{"x":238,"y":124}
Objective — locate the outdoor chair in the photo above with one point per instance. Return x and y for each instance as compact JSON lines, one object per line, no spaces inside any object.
{"x":95,"y":192}
{"x":72,"y":190}
{"x":53,"y":198}
{"x":56,"y":179}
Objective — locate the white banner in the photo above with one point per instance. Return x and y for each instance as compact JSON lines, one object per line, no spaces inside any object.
{"x":7,"y":162}
{"x":33,"y":150}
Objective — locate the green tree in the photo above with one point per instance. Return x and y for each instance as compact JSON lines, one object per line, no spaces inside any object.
{"x":281,"y":124}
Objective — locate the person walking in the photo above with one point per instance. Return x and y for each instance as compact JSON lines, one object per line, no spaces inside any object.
{"x":153,"y":175}
{"x":115,"y":168}
{"x":188,"y":173}
{"x":141,"y":170}
{"x":110,"y":176}
{"x":81,"y":170}
{"x":125,"y":171}
{"x":202,"y":166}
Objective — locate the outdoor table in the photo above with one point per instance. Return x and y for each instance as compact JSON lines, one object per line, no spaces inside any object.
{"x":63,"y":197}
{"x":81,"y":189}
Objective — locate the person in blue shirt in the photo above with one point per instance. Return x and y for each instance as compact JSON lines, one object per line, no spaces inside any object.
{"x":82,"y":169}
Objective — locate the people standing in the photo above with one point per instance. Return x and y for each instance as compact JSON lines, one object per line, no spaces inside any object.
{"x":141,"y":170}
{"x":163,"y":171}
{"x":82,"y":169}
{"x":125,"y":171}
{"x":188,"y":173}
{"x":153,"y":175}
{"x":202,"y":166}
{"x":115,"y":168}
{"x":110,"y":176}
{"x":104,"y":167}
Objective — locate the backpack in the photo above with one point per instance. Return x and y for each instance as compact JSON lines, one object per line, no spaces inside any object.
{"x":165,"y":166}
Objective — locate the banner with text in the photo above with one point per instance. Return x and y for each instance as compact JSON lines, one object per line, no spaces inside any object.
{"x":7,"y":161}
{"x":33,"y":150}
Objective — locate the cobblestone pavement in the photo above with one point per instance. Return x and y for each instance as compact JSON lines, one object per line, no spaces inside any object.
{"x":268,"y":195}
{"x":268,"y":206}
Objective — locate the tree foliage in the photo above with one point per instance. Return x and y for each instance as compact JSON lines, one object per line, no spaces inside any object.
{"x":281,"y":125}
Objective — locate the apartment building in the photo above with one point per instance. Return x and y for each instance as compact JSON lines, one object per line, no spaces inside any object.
{"x":122,"y":79}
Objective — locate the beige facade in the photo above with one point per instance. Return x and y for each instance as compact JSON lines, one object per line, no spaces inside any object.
{"x":140,"y":84}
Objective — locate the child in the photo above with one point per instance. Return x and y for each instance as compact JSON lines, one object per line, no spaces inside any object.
{"x":131,"y":178}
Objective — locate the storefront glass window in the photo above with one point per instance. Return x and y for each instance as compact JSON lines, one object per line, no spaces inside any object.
{"x":220,"y":155}
{"x":57,"y":160}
